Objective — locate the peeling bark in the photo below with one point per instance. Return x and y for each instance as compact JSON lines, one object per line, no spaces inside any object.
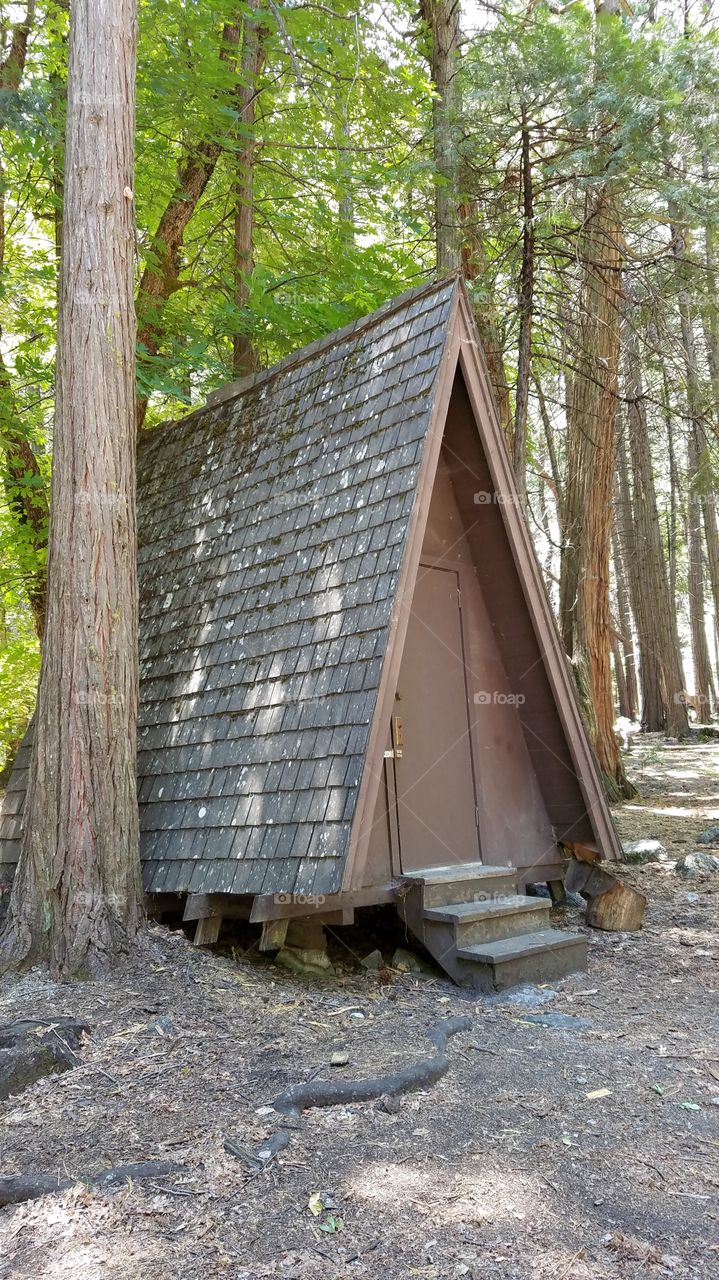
{"x":585,"y":617}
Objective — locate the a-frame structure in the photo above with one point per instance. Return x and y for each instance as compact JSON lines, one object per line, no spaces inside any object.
{"x":352,"y":686}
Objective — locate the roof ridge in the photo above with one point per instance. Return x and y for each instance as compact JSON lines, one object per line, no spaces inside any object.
{"x":229,"y":390}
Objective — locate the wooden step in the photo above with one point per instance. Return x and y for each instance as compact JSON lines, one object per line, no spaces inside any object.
{"x":503,"y":916}
{"x":533,"y":957}
{"x":465,"y":882}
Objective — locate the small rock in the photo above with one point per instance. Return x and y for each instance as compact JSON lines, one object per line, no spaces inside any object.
{"x":697,"y":864}
{"x":339,"y":1059}
{"x":640,"y":851}
{"x":709,"y":836}
{"x":408,"y":962}
{"x":308,"y":961}
{"x":391,"y":1104}
{"x":374,"y":960}
{"x":163,"y":1026}
{"x":527,"y":997}
{"x":693,"y":897}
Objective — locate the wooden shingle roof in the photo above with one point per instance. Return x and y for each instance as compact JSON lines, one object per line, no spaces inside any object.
{"x":272,"y":528}
{"x":278,"y":530}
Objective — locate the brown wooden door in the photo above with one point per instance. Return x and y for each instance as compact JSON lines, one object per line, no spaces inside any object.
{"x":433,"y":759}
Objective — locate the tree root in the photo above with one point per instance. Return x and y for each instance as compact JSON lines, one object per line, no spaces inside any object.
{"x":335,"y":1093}
{"x":16,"y":1188}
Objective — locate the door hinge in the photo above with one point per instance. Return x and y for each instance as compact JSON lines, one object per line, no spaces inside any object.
{"x":459,"y":597}
{"x":476,"y":816}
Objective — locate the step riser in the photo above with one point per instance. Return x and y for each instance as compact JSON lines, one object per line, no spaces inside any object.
{"x":512,"y":925}
{"x":480,"y":890}
{"x":541,"y":967}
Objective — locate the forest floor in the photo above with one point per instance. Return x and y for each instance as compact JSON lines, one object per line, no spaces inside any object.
{"x":506,"y":1168}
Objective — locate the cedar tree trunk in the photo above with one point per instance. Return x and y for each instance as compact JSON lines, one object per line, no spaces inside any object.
{"x":75,"y":902}
{"x":585,"y":616}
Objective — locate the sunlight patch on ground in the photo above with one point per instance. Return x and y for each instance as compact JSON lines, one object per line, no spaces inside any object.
{"x":481,"y":1195}
{"x":700,"y":811}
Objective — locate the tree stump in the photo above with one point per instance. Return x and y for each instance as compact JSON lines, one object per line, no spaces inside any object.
{"x":31,"y":1049}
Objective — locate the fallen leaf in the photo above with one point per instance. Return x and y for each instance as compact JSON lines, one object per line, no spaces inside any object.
{"x":315,"y":1205}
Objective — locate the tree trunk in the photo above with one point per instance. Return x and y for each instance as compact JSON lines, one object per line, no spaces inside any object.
{"x":244,"y":360}
{"x":703,"y":680}
{"x":622,"y":558}
{"x":75,"y":902}
{"x":557,"y":480}
{"x":672,"y":520}
{"x":442,"y":19}
{"x":710,"y":314}
{"x":698,"y":497}
{"x":585,"y":617}
{"x":660,"y":653}
{"x":526,"y":304}
{"x":473,"y":264}
{"x":625,"y":707}
{"x":160,"y":277}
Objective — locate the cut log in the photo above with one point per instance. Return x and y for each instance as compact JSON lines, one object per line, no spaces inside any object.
{"x":620,"y":908}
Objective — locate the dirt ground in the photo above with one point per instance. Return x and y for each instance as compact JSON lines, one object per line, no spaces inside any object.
{"x":507,"y":1168}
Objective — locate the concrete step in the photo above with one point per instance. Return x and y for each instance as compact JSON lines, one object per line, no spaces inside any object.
{"x":537,"y":957}
{"x":466,"y":882}
{"x":503,"y":916}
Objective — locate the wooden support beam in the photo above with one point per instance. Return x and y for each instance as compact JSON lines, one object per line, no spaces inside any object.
{"x":557,"y":893}
{"x":197,"y":907}
{"x":285,"y":906}
{"x":207,"y":931}
{"x":274,"y":933}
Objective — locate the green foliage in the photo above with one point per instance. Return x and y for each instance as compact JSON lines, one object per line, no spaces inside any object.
{"x":343,"y":198}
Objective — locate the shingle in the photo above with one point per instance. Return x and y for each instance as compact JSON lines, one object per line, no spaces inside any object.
{"x":272,"y":528}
